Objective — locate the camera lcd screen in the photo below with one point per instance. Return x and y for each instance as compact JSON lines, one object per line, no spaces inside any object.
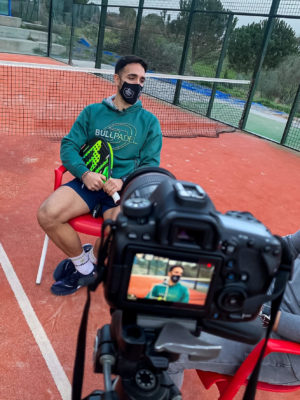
{"x":155,"y":278}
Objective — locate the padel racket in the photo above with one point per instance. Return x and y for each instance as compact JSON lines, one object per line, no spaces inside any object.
{"x":98,"y":157}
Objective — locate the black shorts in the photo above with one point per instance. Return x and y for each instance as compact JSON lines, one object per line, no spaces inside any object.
{"x":92,"y":198}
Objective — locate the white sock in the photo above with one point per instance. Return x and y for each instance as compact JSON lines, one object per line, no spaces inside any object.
{"x":82,"y":263}
{"x":91,"y":256}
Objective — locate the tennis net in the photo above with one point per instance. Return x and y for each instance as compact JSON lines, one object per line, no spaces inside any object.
{"x":44,"y":100}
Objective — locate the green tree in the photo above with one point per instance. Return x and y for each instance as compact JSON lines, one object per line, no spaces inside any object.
{"x":128,"y":15}
{"x":280,"y":84}
{"x":161,"y":53}
{"x":125,"y":25}
{"x":153,"y":23}
{"x":245,"y":42}
{"x":207,"y":30}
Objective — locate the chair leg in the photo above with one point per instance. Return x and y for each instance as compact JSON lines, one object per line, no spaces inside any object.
{"x":42,"y":260}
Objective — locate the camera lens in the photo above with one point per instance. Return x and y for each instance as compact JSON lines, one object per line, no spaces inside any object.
{"x":143,"y":182}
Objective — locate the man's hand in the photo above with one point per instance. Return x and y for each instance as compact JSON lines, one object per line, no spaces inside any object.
{"x":93,"y":181}
{"x":112,"y":186}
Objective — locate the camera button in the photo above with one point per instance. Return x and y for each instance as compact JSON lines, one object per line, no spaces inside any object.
{"x":132,"y":235}
{"x":236,"y":317}
{"x":146,"y":236}
{"x":230,"y":264}
{"x":230,"y":248}
{"x":250,"y":243}
{"x":276,"y":252}
{"x":244,"y":276}
{"x":230,"y":276}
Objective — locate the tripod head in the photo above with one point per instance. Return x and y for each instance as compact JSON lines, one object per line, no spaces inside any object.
{"x":140,"y":354}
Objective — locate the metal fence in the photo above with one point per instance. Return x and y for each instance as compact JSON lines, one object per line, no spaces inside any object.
{"x":191,"y":37}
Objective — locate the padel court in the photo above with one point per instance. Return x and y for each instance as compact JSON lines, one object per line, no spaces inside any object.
{"x":39,"y":330}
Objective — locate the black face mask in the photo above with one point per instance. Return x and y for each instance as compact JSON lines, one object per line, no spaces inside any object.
{"x":175,"y":278}
{"x":130,"y":92}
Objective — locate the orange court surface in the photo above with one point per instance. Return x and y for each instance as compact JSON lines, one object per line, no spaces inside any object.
{"x":38,"y":330}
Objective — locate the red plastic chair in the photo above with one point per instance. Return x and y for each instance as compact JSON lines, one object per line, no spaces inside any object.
{"x":83,"y":224}
{"x":228,"y":385}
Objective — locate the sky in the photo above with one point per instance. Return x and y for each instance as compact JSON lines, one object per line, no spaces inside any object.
{"x":244,"y":7}
{"x":245,"y":20}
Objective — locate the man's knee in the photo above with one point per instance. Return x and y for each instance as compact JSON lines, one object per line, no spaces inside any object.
{"x":46,"y":215}
{"x":50,"y":211}
{"x":112,"y":213}
{"x":60,"y":207}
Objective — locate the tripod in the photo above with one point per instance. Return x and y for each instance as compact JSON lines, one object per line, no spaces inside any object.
{"x":140,"y":354}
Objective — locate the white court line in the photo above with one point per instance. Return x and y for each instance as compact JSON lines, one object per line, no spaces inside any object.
{"x":58,"y":374}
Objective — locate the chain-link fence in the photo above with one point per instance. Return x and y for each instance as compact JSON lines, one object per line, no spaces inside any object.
{"x":256,"y":40}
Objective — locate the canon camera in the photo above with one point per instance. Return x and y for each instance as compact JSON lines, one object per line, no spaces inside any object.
{"x":223,"y":263}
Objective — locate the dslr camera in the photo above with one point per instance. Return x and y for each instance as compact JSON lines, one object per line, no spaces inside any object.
{"x":176,"y":266}
{"x":228,"y":260}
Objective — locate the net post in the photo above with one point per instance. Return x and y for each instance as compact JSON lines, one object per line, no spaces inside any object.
{"x":138,"y":26}
{"x":259,"y":63}
{"x":101,"y":33}
{"x":184,"y":52}
{"x":291,"y":117}
{"x":220,"y":63}
{"x":72,"y":35}
{"x":50,"y":27}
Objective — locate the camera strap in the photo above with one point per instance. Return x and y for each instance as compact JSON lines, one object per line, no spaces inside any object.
{"x":283,"y":276}
{"x":78,"y":371}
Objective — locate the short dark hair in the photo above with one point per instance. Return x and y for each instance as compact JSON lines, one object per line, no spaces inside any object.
{"x":176,"y":266}
{"x":123,"y":61}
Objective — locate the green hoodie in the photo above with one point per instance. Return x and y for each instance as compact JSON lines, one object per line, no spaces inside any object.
{"x":163,"y":291}
{"x":134,"y":134}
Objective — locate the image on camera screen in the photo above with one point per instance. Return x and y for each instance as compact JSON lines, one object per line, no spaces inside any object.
{"x":164,"y":279}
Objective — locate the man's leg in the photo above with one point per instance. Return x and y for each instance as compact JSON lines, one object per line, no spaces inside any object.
{"x":111,"y":213}
{"x":66,"y":268}
{"x":54,"y":214}
{"x":53,"y":217}
{"x":276,"y":368}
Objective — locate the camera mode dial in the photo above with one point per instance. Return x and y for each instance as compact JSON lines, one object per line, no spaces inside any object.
{"x":137,"y":207}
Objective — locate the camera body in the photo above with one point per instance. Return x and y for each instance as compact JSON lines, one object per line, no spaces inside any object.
{"x":225,"y":262}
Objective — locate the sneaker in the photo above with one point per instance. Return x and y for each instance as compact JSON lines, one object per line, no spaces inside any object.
{"x":66,"y":267}
{"x":71,"y":283}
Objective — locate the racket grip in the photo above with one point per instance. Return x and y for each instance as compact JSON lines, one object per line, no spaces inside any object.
{"x":116,"y":198}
